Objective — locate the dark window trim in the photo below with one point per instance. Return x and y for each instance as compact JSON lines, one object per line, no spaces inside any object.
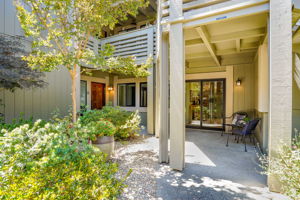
{"x":141,"y":95}
{"x":126,"y":105}
{"x":224,"y":80}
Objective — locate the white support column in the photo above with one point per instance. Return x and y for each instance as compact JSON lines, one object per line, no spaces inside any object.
{"x":177,"y":97}
{"x":150,"y":89}
{"x":163,"y":101}
{"x":177,"y":88}
{"x":280,"y":66}
{"x":157,"y":71}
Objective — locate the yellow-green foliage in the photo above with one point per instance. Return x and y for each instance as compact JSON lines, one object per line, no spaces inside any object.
{"x":46,"y":162}
{"x":61,"y":29}
{"x":127,"y":123}
{"x":286,"y":166}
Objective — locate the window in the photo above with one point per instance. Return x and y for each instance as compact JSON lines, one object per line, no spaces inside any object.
{"x":83,"y":94}
{"x":126,"y":94}
{"x":143,"y":90}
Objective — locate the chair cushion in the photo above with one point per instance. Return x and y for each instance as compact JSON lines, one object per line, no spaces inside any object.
{"x":237,"y":119}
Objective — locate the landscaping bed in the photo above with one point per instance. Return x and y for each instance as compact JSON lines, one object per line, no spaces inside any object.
{"x":57,"y":159}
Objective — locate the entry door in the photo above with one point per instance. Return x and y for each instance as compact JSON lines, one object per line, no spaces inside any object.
{"x":205,"y":103}
{"x":98,"y":95}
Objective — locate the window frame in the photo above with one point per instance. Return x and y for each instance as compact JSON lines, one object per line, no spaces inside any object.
{"x":143,"y":106}
{"x":86,"y":91}
{"x":126,"y":89}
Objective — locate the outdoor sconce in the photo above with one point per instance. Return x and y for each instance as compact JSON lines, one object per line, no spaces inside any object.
{"x":110,"y":88}
{"x":238,"y":82}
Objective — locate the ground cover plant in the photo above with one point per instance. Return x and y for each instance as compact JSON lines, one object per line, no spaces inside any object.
{"x":17,"y":123}
{"x":286,"y":166}
{"x":127,"y":123}
{"x":55,"y":161}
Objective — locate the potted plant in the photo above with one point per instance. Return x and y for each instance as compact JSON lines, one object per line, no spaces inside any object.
{"x":101,"y":134}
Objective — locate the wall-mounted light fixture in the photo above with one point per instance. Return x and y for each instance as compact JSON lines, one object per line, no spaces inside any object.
{"x":110,"y":88}
{"x":238,"y":82}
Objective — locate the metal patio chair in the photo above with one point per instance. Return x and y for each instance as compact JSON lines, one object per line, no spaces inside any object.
{"x":247,"y":130}
{"x":237,"y":120}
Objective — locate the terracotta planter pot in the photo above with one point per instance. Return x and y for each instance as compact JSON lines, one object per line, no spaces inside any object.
{"x":106,"y":144}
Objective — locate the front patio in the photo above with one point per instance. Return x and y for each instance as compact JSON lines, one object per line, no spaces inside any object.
{"x":212,"y":170}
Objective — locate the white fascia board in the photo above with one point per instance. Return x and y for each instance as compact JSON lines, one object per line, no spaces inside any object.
{"x":234,"y":14}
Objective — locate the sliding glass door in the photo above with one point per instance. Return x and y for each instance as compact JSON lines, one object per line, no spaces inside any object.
{"x":205,"y":103}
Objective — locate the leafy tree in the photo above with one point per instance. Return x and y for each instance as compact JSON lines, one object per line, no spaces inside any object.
{"x":14,"y":72}
{"x":61,"y":30}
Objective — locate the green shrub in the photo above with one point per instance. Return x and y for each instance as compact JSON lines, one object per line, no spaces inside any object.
{"x":99,"y":128}
{"x":52,"y":162}
{"x":127,"y":123}
{"x":286,"y":166}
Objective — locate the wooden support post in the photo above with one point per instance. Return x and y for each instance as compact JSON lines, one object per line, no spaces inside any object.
{"x":177,"y":88}
{"x":177,"y":97}
{"x":280,"y":72}
{"x":163,"y":111}
{"x":150,"y":89}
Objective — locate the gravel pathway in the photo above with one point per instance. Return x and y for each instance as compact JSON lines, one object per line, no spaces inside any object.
{"x":141,"y":184}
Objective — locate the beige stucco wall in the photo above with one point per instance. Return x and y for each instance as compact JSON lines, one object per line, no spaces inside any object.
{"x":39,"y":103}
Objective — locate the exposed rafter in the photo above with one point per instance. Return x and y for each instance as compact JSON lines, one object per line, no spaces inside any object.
{"x":238,"y":35}
{"x":218,"y":53}
{"x":206,"y":39}
{"x":230,"y":36}
{"x":194,"y":42}
{"x":264,"y":39}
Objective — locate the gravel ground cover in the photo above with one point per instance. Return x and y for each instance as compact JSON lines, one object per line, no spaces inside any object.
{"x":141,"y":184}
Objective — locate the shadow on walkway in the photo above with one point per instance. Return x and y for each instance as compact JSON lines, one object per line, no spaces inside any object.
{"x":214,"y":171}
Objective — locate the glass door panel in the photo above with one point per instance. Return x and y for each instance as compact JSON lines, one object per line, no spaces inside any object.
{"x":193,"y":104}
{"x":205,"y":104}
{"x":212,"y":103}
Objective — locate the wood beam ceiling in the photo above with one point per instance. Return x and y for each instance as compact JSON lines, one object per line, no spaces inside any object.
{"x":230,"y":36}
{"x":218,"y":53}
{"x":238,"y":35}
{"x":202,"y":31}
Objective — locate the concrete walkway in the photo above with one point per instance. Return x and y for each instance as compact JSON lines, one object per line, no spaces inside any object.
{"x":212,"y":171}
{"x":215,"y":172}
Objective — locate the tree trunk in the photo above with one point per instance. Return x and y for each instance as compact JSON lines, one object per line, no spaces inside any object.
{"x":74,"y":104}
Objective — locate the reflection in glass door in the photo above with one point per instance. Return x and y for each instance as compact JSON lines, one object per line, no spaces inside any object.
{"x":193,"y":100}
{"x":205,"y":103}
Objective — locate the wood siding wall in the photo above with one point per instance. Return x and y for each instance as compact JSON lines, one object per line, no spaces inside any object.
{"x":38,"y":103}
{"x":244,"y":94}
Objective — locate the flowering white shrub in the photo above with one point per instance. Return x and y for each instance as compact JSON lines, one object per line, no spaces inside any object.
{"x":286,"y":166}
